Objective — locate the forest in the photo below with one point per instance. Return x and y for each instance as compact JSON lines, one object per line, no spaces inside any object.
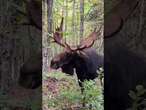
{"x":81,"y":18}
{"x":28,"y":27}
{"x":52,"y":54}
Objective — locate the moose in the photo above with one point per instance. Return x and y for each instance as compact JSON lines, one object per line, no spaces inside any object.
{"x":83,"y":58}
{"x":31,"y":70}
{"x":124,"y":69}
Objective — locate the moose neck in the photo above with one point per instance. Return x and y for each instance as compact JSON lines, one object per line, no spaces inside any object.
{"x":80,"y":67}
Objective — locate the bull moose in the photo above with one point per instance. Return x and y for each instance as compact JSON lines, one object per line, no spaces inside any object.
{"x":124,"y":69}
{"x":83,"y":58}
{"x":31,"y":70}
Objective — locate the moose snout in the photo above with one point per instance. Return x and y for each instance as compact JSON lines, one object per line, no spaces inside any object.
{"x":54,"y":65}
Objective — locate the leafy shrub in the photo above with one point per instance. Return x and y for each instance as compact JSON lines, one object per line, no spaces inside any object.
{"x":138,"y":98}
{"x":65,"y":99}
{"x":92,"y":95}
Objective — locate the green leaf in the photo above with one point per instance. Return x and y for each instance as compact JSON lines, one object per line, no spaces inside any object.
{"x":132,"y":95}
{"x":139,"y":88}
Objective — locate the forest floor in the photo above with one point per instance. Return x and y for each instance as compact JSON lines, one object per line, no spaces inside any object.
{"x":52,"y":84}
{"x":62,"y":92}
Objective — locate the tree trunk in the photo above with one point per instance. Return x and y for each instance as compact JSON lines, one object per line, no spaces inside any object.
{"x":73,"y":21}
{"x":66,"y":14}
{"x":48,"y":4}
{"x":81,"y":18}
{"x":50,"y":18}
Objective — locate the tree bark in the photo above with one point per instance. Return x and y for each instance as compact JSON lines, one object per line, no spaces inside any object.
{"x":81,"y":18}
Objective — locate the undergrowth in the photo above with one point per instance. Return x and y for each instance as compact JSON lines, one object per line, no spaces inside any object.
{"x":69,"y":96}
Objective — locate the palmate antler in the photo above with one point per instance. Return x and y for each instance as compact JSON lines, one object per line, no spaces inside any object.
{"x":58,"y":36}
{"x":89,"y":41}
{"x":85,"y":43}
{"x":116,"y":18}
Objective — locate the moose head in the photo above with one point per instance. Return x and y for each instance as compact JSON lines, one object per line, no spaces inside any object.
{"x":83,"y":58}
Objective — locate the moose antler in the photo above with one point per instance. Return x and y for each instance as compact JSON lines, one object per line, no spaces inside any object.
{"x":58,"y":36}
{"x":89,"y":41}
{"x":118,"y":15}
{"x":85,"y":43}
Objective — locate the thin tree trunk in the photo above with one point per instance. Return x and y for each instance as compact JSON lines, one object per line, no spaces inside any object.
{"x":81,"y":18}
{"x":47,"y":28}
{"x":73,"y":21}
{"x":66,"y":15}
{"x":50,"y":20}
{"x":77,"y":26}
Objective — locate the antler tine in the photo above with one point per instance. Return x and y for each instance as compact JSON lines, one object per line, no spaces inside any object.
{"x":58,"y":37}
{"x":89,"y":41}
{"x":61,"y":24}
{"x":63,"y":44}
{"x":98,"y":29}
{"x":56,"y":41}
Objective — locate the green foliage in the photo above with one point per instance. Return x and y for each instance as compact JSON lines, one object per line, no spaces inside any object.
{"x":138,"y":98}
{"x":70,"y":94}
{"x":66,"y":98}
{"x":92,"y":9}
{"x":58,"y":75}
{"x":93,"y":95}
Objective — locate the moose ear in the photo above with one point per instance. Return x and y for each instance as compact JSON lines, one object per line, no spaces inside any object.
{"x":68,"y":69}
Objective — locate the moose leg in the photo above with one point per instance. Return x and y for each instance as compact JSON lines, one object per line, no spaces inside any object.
{"x":82,"y":91}
{"x":81,"y":86}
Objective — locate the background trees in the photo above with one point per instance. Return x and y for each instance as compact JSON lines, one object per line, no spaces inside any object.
{"x":81,"y":18}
